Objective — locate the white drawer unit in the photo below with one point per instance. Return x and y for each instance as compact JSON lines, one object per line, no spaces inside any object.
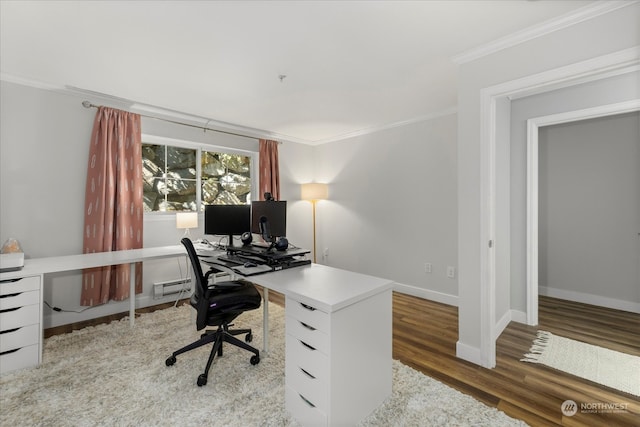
{"x":20,"y":323}
{"x":338,"y":364}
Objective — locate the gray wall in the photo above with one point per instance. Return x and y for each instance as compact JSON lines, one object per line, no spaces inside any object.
{"x":612,"y":90}
{"x":589,"y":200}
{"x":43,"y":159}
{"x":392,"y":205}
{"x":605,"y":34}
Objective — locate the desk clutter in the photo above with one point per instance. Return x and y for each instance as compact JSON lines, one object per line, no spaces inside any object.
{"x":249,"y":260}
{"x":11,"y":256}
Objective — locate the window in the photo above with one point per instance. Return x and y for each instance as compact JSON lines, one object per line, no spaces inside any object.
{"x":179,"y":176}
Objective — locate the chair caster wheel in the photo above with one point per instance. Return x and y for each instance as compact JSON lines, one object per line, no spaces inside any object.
{"x":255,"y":360}
{"x":249,"y":337}
{"x":170,"y":361}
{"x":202,"y":380}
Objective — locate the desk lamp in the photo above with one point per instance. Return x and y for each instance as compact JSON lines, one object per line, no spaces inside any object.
{"x":186,"y":220}
{"x":313,"y":192}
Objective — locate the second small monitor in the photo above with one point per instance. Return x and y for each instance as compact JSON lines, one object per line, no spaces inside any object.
{"x":275,"y":214}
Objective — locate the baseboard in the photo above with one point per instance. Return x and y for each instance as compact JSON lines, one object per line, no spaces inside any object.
{"x":53,"y":319}
{"x":502,"y":323}
{"x":519,"y":316}
{"x":468,"y":353}
{"x":585,"y":298}
{"x":508,"y":317}
{"x":70,"y":327}
{"x":426,"y":294}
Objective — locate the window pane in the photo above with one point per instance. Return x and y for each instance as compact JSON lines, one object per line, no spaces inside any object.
{"x":171,"y":178}
{"x":181,"y":159}
{"x":226,"y":178}
{"x":180,"y":195}
{"x":152,"y":172}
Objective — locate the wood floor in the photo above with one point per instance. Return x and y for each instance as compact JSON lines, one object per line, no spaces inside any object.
{"x":425,"y":335}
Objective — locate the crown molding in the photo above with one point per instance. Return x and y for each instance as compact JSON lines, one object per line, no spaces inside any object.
{"x":154,"y":111}
{"x":367,"y":131}
{"x":564,"y":21}
{"x":10,"y":78}
{"x":165,"y":113}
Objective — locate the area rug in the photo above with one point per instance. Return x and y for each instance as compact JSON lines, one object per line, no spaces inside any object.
{"x":114,"y":375}
{"x":601,"y":365}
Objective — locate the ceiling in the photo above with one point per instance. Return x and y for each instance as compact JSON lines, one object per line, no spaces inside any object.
{"x":350,"y":66}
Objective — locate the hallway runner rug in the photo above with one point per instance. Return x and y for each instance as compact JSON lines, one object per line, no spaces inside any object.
{"x":603,"y":366}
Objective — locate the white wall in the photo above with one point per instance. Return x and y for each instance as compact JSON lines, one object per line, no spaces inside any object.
{"x":612,"y":32}
{"x":392,"y":205}
{"x":43,"y":160}
{"x":589,"y":214}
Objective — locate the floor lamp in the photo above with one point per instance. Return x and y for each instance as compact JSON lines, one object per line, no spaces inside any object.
{"x":313,"y":192}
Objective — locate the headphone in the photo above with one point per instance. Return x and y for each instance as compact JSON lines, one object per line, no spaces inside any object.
{"x":246,"y":238}
{"x":282,"y":244}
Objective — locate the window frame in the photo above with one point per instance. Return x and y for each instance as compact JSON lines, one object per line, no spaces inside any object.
{"x":199,"y":147}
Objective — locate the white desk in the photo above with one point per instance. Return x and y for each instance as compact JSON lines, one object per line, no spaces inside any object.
{"x":41,"y":266}
{"x":338,"y":342}
{"x":21,"y":305}
{"x":338,"y":329}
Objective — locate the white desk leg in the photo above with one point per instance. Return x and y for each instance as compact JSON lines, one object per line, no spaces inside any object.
{"x":132,"y":293}
{"x":265,"y":321}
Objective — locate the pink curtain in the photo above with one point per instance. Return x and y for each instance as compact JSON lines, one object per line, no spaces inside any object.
{"x":113,"y":203}
{"x":269,"y":169}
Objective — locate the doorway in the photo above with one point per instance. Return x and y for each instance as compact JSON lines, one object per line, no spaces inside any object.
{"x":533,"y":218}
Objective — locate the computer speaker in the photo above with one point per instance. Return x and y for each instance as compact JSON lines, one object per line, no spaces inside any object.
{"x":246,"y":238}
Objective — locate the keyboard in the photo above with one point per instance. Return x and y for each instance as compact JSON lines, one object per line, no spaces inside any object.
{"x":240,"y":259}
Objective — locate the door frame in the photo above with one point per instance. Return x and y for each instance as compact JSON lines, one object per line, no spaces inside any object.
{"x":616,"y":63}
{"x":533,"y":129}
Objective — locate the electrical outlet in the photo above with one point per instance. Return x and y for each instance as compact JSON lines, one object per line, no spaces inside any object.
{"x":451,"y":272}
{"x":325,"y":253}
{"x":427,"y":267}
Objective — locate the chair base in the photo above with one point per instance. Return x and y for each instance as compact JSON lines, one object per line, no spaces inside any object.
{"x":218,"y":337}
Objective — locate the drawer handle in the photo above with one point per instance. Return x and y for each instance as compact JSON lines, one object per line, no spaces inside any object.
{"x":8,"y":331}
{"x":10,"y":295}
{"x":311,"y":328}
{"x":9,"y":351}
{"x":11,"y":280}
{"x":306,"y":401}
{"x":308,"y":374}
{"x":8,"y":310}
{"x":308,"y":307}
{"x":308,"y":346}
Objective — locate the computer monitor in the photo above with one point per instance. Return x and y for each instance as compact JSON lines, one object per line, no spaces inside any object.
{"x":227,"y":220}
{"x":274,"y":212}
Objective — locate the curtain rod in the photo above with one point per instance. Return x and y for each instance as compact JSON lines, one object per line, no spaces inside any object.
{"x":87,"y":104}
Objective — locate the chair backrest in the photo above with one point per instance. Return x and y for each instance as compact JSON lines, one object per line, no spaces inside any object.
{"x":200,"y":281}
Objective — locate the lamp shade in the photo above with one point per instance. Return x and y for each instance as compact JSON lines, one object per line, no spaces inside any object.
{"x":187,"y":220}
{"x":314,"y":191}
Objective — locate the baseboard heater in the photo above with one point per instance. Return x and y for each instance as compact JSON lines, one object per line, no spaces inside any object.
{"x":169,"y":287}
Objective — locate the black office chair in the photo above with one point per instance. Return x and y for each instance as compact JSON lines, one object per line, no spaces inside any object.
{"x":218,"y":305}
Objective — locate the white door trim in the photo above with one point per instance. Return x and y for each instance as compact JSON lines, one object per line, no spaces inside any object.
{"x":616,"y":63}
{"x":533,"y":127}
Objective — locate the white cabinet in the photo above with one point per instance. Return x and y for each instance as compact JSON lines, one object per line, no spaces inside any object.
{"x":338,"y":364}
{"x":20,"y":323}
